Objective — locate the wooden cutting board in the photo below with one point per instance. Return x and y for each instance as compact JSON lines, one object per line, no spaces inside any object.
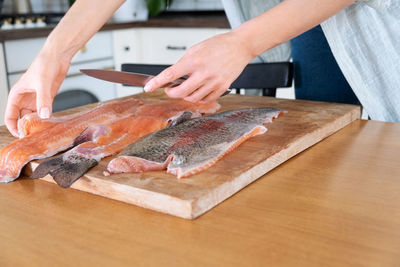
{"x":305,"y":124}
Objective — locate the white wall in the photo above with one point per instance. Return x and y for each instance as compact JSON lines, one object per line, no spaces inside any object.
{"x":3,"y":85}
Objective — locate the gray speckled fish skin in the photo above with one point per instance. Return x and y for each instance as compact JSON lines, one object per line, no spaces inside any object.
{"x":195,"y":144}
{"x":65,"y":169}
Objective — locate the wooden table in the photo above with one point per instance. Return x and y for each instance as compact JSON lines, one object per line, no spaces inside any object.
{"x":335,"y":204}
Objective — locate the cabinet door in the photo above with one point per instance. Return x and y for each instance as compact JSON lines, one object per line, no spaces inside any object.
{"x":19,"y":57}
{"x":155,"y":46}
{"x":167,"y":46}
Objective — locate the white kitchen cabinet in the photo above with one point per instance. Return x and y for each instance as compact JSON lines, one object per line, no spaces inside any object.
{"x":3,"y":86}
{"x":155,"y":46}
{"x":21,"y":53}
{"x":96,"y":54}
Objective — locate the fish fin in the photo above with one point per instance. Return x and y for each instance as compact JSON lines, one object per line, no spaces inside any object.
{"x":45,"y":167}
{"x":181,"y":117}
{"x":71,"y":170}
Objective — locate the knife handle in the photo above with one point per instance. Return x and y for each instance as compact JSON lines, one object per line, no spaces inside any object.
{"x":184,"y":78}
{"x":176,"y":82}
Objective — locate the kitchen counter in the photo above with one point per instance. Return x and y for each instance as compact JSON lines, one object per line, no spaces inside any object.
{"x":335,"y":204}
{"x":172,"y":19}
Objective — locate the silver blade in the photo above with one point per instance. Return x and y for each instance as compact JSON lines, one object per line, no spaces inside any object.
{"x":129,"y":78}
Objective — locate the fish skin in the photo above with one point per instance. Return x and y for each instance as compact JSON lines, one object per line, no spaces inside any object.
{"x":100,"y":141}
{"x":51,"y":140}
{"x":194,"y":145}
{"x":46,"y":166}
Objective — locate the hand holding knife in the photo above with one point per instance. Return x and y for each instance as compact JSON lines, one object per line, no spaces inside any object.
{"x":130,"y":78}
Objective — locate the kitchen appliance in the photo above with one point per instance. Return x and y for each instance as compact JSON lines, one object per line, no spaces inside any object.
{"x":22,"y":6}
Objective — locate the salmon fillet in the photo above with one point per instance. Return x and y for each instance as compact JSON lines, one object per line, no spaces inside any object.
{"x":194,"y":145}
{"x":103,"y":140}
{"x":32,"y":123}
{"x":42,"y":142}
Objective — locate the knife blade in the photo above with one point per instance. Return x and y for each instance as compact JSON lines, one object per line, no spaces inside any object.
{"x":130,"y":78}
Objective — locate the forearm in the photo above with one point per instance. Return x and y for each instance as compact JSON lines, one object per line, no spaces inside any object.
{"x":78,"y":25}
{"x":284,"y":22}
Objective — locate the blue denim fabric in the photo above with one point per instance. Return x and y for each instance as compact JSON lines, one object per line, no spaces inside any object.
{"x":317,"y":76}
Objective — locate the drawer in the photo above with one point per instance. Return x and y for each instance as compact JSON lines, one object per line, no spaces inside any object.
{"x":19,"y":57}
{"x":157,"y":45}
{"x":167,"y":46}
{"x":126,"y":46}
{"x":98,"y":47}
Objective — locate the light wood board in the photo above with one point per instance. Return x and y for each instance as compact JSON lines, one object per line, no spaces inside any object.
{"x":305,"y":124}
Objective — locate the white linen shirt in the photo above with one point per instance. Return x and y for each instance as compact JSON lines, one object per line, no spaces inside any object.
{"x":365,"y":41}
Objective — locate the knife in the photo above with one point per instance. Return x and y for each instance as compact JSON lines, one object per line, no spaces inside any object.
{"x":130,"y":78}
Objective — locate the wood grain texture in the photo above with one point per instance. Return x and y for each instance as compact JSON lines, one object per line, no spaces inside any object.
{"x":336,"y":204}
{"x":305,"y":124}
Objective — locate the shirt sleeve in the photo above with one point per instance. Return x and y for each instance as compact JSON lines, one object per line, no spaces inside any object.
{"x":378,"y":4}
{"x":240,"y":11}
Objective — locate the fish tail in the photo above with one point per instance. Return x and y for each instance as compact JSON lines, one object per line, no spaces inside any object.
{"x":45,"y":167}
{"x":65,"y":171}
{"x":71,"y":170}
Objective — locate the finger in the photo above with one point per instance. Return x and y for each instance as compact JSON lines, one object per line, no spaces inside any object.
{"x":168,"y":75}
{"x":24,"y":111}
{"x":44,"y":102}
{"x":212,"y":96}
{"x":11,"y":118}
{"x":186,"y":88}
{"x":200,"y":93}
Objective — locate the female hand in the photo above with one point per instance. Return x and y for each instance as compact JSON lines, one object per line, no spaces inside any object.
{"x":211,"y":65}
{"x":35,"y":90}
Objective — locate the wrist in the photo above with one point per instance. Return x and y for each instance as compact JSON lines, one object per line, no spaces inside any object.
{"x":238,"y":37}
{"x":51,"y":56}
{"x":56,"y":50}
{"x":254,"y":40}
{"x":60,"y":49}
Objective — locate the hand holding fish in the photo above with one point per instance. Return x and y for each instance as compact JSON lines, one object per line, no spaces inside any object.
{"x":36,"y":89}
{"x":211,"y":65}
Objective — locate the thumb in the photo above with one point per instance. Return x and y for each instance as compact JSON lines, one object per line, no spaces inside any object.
{"x":44,"y":103}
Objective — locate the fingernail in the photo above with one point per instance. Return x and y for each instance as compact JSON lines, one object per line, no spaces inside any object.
{"x":147,"y":87}
{"x":44,"y":113}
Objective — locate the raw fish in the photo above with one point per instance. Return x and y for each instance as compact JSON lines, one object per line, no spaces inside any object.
{"x":102,"y":140}
{"x":193,"y":145}
{"x":60,"y":136}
